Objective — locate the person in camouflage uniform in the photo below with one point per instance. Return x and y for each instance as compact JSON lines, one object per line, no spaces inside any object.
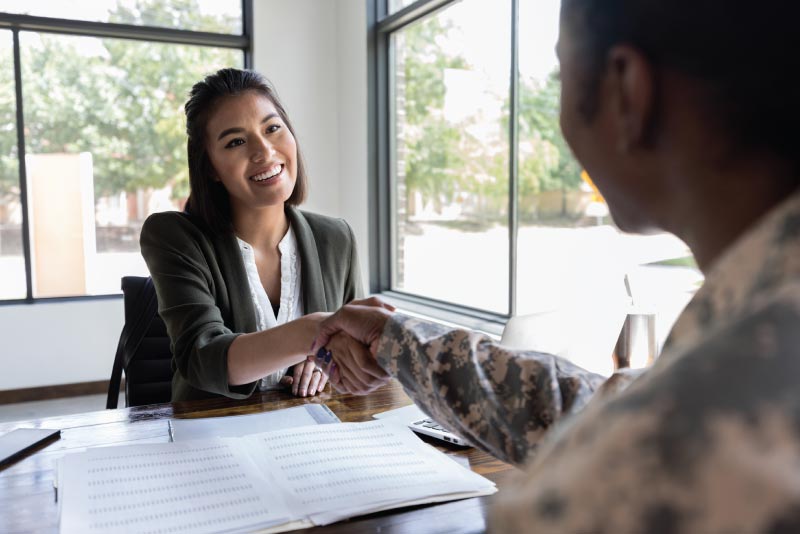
{"x":685,"y":115}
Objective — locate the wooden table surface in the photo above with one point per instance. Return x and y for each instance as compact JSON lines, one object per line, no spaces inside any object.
{"x":27,"y":497}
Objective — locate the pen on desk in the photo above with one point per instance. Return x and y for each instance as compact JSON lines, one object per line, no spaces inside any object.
{"x":22,"y":442}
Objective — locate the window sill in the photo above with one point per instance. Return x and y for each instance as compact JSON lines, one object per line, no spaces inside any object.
{"x":446,"y":313}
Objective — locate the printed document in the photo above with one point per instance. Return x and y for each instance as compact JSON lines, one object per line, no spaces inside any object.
{"x":278,"y":480}
{"x":196,"y":486}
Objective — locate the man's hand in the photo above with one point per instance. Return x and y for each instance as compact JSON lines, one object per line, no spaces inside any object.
{"x":354,"y":369}
{"x":350,"y":337}
{"x":363,"y":320}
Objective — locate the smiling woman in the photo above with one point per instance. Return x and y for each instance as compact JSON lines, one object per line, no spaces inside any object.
{"x":256,"y":160}
{"x":243,"y":276}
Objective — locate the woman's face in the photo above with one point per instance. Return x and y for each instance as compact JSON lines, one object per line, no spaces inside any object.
{"x":252,"y":151}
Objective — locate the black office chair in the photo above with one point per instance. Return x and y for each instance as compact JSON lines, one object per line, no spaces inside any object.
{"x":143,"y":351}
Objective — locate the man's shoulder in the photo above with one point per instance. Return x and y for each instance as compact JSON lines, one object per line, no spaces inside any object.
{"x":695,"y":426}
{"x":754,"y":354}
{"x":765,"y":331}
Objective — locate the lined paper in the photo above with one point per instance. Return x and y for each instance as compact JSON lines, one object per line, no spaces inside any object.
{"x":200,"y":486}
{"x":332,"y":472}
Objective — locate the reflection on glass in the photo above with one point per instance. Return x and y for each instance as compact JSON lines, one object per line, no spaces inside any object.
{"x":12,"y":263}
{"x":215,"y":16}
{"x":397,"y":5}
{"x":105,"y":147}
{"x":570,"y":255}
{"x":451,"y":83}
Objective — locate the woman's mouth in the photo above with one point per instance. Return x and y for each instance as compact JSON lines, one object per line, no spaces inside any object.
{"x":265,"y":175}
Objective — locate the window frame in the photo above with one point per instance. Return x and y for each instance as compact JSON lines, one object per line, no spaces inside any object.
{"x":16,"y":23}
{"x":382,"y":180}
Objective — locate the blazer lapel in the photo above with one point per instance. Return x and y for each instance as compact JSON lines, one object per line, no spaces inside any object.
{"x":240,"y":302}
{"x":313,"y":289}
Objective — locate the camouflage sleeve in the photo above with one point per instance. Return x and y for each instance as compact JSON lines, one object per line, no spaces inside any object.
{"x":500,"y":399}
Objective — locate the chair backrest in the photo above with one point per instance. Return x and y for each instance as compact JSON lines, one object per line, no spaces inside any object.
{"x":143,"y":352}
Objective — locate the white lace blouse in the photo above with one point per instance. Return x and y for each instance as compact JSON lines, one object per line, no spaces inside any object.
{"x":291,"y":301}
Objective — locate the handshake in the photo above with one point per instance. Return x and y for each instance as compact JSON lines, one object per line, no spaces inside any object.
{"x":346,"y":344}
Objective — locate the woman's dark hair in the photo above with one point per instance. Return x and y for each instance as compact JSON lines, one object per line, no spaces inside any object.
{"x":208,"y":198}
{"x":744,"y":54}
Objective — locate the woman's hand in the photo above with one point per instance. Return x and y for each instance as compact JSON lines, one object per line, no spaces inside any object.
{"x":306,"y":379}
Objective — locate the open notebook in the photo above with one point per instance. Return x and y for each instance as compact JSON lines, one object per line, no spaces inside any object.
{"x":276,"y":481}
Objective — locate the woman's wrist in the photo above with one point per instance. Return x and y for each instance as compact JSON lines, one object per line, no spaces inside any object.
{"x":311,"y":325}
{"x":254,"y":355}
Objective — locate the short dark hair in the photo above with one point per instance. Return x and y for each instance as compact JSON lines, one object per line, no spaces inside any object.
{"x":743,"y":53}
{"x":208,"y":198}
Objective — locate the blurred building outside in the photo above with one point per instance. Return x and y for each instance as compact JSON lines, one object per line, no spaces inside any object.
{"x":96,"y":252}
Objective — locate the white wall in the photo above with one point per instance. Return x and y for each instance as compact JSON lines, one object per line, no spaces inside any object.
{"x":315,"y":53}
{"x":352,"y":122}
{"x":58,"y":343}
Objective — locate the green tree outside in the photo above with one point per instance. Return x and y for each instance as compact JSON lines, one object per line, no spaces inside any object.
{"x":434,"y":161}
{"x":120,"y":100}
{"x":443,"y":161}
{"x":554,"y":166}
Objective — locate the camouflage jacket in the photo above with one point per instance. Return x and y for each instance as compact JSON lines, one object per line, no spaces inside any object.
{"x":707,"y":440}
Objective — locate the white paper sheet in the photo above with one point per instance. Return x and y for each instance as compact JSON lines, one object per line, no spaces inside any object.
{"x":405,"y":415}
{"x":331,"y":472}
{"x":192,"y":487}
{"x":242,"y":425}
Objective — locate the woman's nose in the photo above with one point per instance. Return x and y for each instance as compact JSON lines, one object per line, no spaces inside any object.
{"x":262,"y":150}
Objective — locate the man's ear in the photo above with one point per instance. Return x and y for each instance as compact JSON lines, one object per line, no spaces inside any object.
{"x":632,"y":91}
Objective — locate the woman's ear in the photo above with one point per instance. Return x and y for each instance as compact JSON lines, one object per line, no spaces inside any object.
{"x":631,"y":86}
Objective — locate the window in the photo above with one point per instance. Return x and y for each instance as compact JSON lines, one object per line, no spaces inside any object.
{"x":12,"y":262}
{"x":397,"y":5}
{"x":198,"y":15}
{"x":104,"y":142}
{"x":450,"y":110}
{"x":481,"y":219}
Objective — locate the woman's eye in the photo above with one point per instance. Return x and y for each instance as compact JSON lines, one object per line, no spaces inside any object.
{"x":273,"y":128}
{"x":234,"y":142}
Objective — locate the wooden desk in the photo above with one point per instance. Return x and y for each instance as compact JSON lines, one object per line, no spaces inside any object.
{"x":27,"y":502}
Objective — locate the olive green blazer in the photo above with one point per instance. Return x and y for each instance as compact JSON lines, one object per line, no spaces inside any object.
{"x":204,"y":295}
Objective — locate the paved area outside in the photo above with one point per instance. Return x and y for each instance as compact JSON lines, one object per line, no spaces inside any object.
{"x":579,"y":269}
